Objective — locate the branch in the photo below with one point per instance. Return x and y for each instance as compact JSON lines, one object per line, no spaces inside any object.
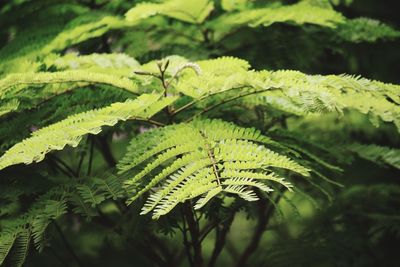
{"x":220,"y":239}
{"x":207,"y":109}
{"x":106,"y":151}
{"x":90,"y":162}
{"x":62,"y":166}
{"x":193,"y":228}
{"x":264,"y":214}
{"x":67,"y":245}
{"x":191,"y":103}
{"x":157,"y":123}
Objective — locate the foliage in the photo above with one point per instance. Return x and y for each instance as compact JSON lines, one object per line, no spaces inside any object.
{"x":201,"y":129}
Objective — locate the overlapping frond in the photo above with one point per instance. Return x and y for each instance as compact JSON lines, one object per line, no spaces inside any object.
{"x":366,"y":30}
{"x":195,"y":11}
{"x":202,"y":158}
{"x":37,"y":42}
{"x":113,"y":63}
{"x":379,"y":154}
{"x":17,"y":234}
{"x":292,"y":91}
{"x":71,"y":130}
{"x":300,"y":13}
{"x":44,"y":85}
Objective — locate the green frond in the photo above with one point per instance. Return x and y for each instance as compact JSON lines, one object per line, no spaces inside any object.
{"x":51,"y":210}
{"x":111,"y":186}
{"x":231,"y":5}
{"x":291,"y":91}
{"x":9,"y":106}
{"x":217,"y":75}
{"x":211,"y":192}
{"x":316,"y":94}
{"x":113,"y":63}
{"x":14,"y":83}
{"x":71,"y":130}
{"x":247,"y":182}
{"x":20,"y":248}
{"x":81,"y":207}
{"x":242,"y":191}
{"x":7,"y":240}
{"x":366,"y":30}
{"x":42,"y":40}
{"x":300,"y":13}
{"x":17,"y":234}
{"x":249,"y":175}
{"x":195,"y":11}
{"x":53,"y":110}
{"x":307,"y":148}
{"x":91,"y":194}
{"x":38,"y":87}
{"x":201,"y":158}
{"x":82,"y":28}
{"x":378,"y":154}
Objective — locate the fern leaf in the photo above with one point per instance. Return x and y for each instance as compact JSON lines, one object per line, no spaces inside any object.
{"x":91,"y":194}
{"x":292,"y":91}
{"x":83,"y":28}
{"x":14,"y":83}
{"x":195,"y":11}
{"x":366,"y":30}
{"x":71,"y":130}
{"x":378,"y":154}
{"x":20,"y":248}
{"x":6,"y":242}
{"x":201,"y":158}
{"x":300,"y":13}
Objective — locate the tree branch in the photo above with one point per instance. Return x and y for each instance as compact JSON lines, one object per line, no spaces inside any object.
{"x":67,"y":244}
{"x":193,"y":228}
{"x":265,"y":212}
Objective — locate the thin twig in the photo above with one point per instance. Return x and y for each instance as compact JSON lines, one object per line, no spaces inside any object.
{"x":65,"y":165}
{"x":185,"y":239}
{"x":106,"y":151}
{"x":265,"y":212}
{"x":157,"y":123}
{"x":78,"y":171}
{"x":90,"y":162}
{"x":58,"y":257}
{"x":193,"y":228}
{"x":222,"y":230}
{"x":207,"y":109}
{"x":67,"y":244}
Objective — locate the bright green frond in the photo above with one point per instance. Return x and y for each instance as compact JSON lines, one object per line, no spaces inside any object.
{"x":300,"y":13}
{"x":195,"y":11}
{"x":378,"y":154}
{"x":71,"y":130}
{"x":366,"y":29}
{"x":202,"y":158}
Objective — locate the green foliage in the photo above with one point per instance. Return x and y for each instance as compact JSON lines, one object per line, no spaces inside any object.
{"x":378,"y":154}
{"x":71,"y":130}
{"x":202,"y":129}
{"x":192,"y":12}
{"x":213,"y":157}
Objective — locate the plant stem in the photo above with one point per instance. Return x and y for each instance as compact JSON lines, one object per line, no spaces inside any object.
{"x":61,"y":166}
{"x":185,"y":239}
{"x":265,"y":212}
{"x":157,"y":123}
{"x":67,"y":244}
{"x":90,"y":162}
{"x":106,"y":151}
{"x":220,"y":238}
{"x":55,"y":254}
{"x":207,"y":109}
{"x":193,"y":228}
